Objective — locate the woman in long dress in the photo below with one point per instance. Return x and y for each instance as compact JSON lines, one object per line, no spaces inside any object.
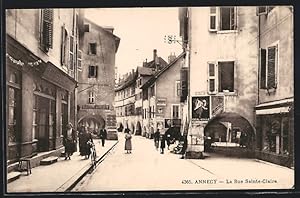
{"x":85,"y":146}
{"x":128,"y":145}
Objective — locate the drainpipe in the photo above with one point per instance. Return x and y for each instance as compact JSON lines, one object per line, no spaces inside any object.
{"x":258,"y":78}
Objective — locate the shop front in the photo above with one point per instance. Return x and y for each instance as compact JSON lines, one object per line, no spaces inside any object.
{"x":275,"y":132}
{"x":37,"y":103}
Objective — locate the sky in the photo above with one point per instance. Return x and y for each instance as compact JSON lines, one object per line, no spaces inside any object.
{"x":141,"y":30}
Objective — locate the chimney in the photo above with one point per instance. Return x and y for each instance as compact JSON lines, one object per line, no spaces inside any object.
{"x":154,"y":54}
{"x":145,"y":63}
{"x":171,"y":57}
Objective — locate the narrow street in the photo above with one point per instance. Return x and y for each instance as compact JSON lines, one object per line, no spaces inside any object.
{"x":147,"y":169}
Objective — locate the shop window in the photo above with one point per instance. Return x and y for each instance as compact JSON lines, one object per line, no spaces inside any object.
{"x":12,"y":114}
{"x":35,"y":117}
{"x":91,"y":97}
{"x":93,"y":48}
{"x":226,"y":76}
{"x":276,"y":131}
{"x":46,"y":29}
{"x":92,"y":71}
{"x":228,"y":18}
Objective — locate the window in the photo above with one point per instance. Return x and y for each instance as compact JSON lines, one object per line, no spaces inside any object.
{"x":79,"y":59}
{"x":91,"y":97}
{"x":35,"y":116}
{"x":152,"y":91}
{"x":46,"y":38}
{"x":213,"y":19}
{"x":228,"y":18}
{"x":268,"y":67}
{"x":212,"y":78}
{"x":92,"y":71}
{"x":177,"y":88}
{"x":64,"y":44}
{"x":145,"y":94}
{"x":71,"y":65}
{"x":276,"y":133}
{"x":226,"y":76}
{"x":175,"y":111}
{"x":86,"y":27}
{"x":93,"y":48}
{"x":261,"y":10}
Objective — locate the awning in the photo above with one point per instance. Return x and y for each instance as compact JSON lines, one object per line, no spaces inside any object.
{"x":273,"y":111}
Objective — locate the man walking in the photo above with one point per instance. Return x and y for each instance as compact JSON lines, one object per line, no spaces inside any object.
{"x":103,"y":135}
{"x":156,"y":139}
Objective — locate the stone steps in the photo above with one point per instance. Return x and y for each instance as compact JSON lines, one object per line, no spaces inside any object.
{"x":49,"y":160}
{"x":12,"y":176}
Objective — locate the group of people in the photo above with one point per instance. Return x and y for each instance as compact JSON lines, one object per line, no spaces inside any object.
{"x":85,"y":141}
{"x":167,"y":138}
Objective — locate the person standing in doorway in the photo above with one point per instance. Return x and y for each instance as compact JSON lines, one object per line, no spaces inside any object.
{"x":70,"y":141}
{"x":156,"y":139}
{"x":128,"y":144}
{"x":162,"y":143}
{"x":103,"y":135}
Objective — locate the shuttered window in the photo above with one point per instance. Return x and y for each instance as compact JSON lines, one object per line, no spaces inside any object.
{"x":47,"y":29}
{"x":184,"y":84}
{"x":272,"y":59}
{"x":263,"y":69}
{"x":213,"y":19}
{"x":71,"y":52}
{"x":212,"y":78}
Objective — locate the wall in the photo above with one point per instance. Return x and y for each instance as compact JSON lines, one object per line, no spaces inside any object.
{"x":239,"y":46}
{"x":277,"y":25}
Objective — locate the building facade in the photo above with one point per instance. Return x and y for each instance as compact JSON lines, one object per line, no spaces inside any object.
{"x":41,"y":78}
{"x":222,"y":50}
{"x":275,"y":108}
{"x":96,"y":78}
{"x":162,"y":106}
{"x":129,"y":100}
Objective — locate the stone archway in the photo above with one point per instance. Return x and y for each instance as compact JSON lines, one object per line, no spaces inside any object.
{"x":230,"y":133}
{"x":93,"y":122}
{"x":138,"y":130}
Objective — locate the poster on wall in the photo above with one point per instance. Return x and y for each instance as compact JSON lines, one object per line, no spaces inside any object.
{"x":200,"y":108}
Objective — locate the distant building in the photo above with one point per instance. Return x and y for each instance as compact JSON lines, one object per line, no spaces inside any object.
{"x":128,"y":100}
{"x":96,"y":78}
{"x":162,"y":106}
{"x":41,"y":79}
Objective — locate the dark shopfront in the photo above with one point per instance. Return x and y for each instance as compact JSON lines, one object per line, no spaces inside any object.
{"x":275,"y":134}
{"x":37,"y":103}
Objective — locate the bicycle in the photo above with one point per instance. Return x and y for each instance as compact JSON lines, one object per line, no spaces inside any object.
{"x":93,"y":156}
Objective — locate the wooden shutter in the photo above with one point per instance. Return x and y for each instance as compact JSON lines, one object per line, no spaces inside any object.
{"x":271,"y":81}
{"x":47,"y":28}
{"x":263,"y":68}
{"x":212,"y":78}
{"x":62,"y":55}
{"x":184,"y":84}
{"x":213,"y":19}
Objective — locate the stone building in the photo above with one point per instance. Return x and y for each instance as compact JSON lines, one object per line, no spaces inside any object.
{"x":275,"y":107}
{"x":162,"y":106}
{"x":129,"y":96}
{"x":41,"y":79}
{"x":222,"y":59}
{"x":96,"y":78}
